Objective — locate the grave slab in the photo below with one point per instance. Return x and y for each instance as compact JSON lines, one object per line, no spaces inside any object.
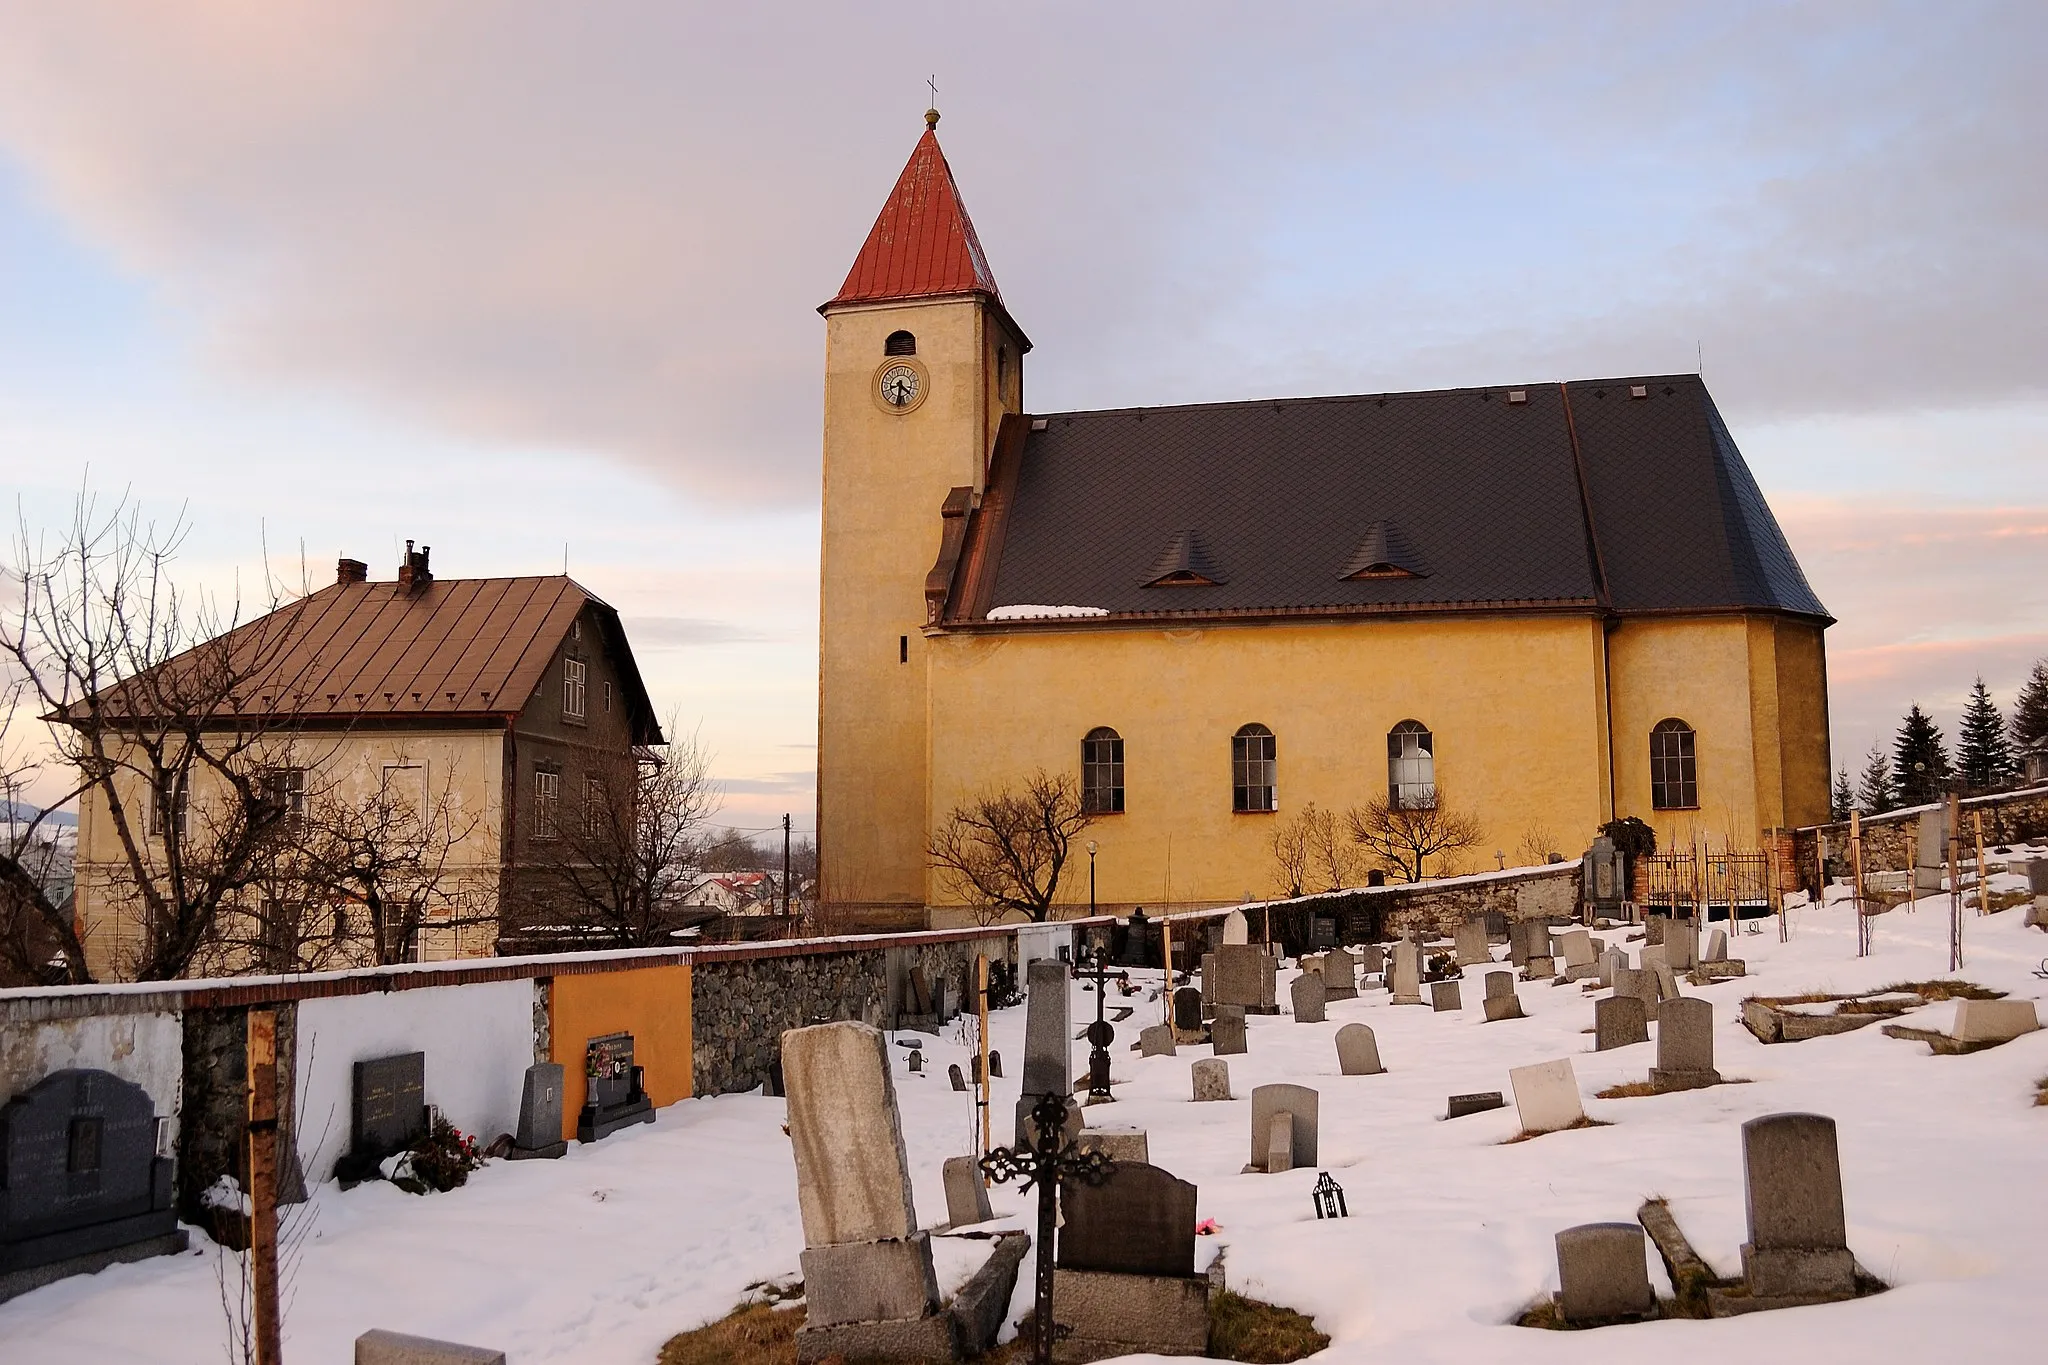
{"x":379,"y":1347}
{"x":1140,"y":1221}
{"x":1156,"y":1041}
{"x":1993,"y":1021}
{"x":1110,"y":1315}
{"x":1458,"y":1106}
{"x":1546,"y":1096}
{"x":853,"y":1179}
{"x":1227,"y":1036}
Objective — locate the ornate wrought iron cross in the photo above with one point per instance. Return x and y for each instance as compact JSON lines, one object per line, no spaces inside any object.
{"x":1049,"y":1160}
{"x":1101,"y":1033}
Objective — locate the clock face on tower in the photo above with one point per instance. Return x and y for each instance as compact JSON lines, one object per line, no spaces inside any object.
{"x":900,"y":385}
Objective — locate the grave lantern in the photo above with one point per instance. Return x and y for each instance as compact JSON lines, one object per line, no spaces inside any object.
{"x":1328,"y":1197}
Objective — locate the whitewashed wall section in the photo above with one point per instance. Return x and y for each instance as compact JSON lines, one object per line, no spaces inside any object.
{"x":478,"y":1040}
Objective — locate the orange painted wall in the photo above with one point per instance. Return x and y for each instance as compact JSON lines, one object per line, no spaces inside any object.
{"x":652,"y":1004}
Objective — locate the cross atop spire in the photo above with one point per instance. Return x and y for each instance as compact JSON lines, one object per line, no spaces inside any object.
{"x":923,"y":242}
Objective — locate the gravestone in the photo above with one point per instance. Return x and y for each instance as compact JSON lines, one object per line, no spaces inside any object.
{"x":1299,"y":1101}
{"x":379,"y":1347}
{"x":1444,"y":996}
{"x":1619,"y":1021}
{"x":1678,"y":946}
{"x":1651,"y":955}
{"x":388,"y":1113}
{"x":1930,"y":855}
{"x":1602,"y":1273}
{"x":1604,"y":878}
{"x":1667,"y":984}
{"x":1372,"y":959}
{"x":1280,"y":1143}
{"x":1140,"y":1221}
{"x":995,"y":1064}
{"x":1639,"y":984}
{"x":2037,"y":876}
{"x":1209,"y":984}
{"x":540,"y":1115}
{"x":1187,"y":1014}
{"x":1458,"y":1106}
{"x":1610,"y":960}
{"x":1994,"y":1021}
{"x":1046,"y":1029}
{"x":966,"y":1196}
{"x":1685,"y":1046}
{"x":1245,"y":977}
{"x":1798,"y":1244}
{"x":1501,"y":1000}
{"x":1156,"y":1041}
{"x":1538,"y":968}
{"x":1340,"y":975}
{"x":1306,"y":995}
{"x":1358,"y":1051}
{"x":1580,"y":961}
{"x":1717,"y":946}
{"x":1654,"y":926}
{"x":1118,"y":1144}
{"x":1236,"y":931}
{"x":1546,"y":1096}
{"x":1406,"y":982}
{"x":1471,"y":945}
{"x":615,"y":1096}
{"x":1211,"y":1079}
{"x":1322,"y":931}
{"x":957,"y":1076}
{"x":915,"y":1062}
{"x":867,"y":1268}
{"x":84,"y":1183}
{"x":1227,"y":1036}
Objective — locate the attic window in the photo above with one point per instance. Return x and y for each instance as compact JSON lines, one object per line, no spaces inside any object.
{"x":1639,"y":390}
{"x":1518,"y":395}
{"x":1182,"y":564}
{"x":1384,"y":553}
{"x":900,"y":343}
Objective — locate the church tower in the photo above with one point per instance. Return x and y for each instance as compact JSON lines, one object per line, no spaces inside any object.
{"x":922,"y":361}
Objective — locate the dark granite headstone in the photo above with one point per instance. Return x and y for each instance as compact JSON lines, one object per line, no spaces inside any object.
{"x":1322,"y":931}
{"x":1141,"y":1221}
{"x":82,"y":1184}
{"x":389,"y":1113}
{"x":1187,"y":1009}
{"x":995,"y":1064}
{"x":1461,"y":1105}
{"x":615,"y":1097}
{"x":540,"y":1114}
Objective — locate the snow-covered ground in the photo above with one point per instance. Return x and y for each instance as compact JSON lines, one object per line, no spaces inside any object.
{"x":601,"y":1256}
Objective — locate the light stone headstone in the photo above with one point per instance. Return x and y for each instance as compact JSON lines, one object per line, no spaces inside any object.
{"x":1372,"y":959}
{"x":966,"y":1196}
{"x":1535,"y":968}
{"x":1994,"y":1021}
{"x":1445,"y":997}
{"x":1156,"y":1041}
{"x":1227,"y":1036}
{"x":1472,"y":947}
{"x":852,"y":1178}
{"x":1407,"y":975}
{"x":1299,"y":1101}
{"x":1578,"y":949}
{"x":1211,"y":1076}
{"x":1798,"y":1235}
{"x":1602,"y":1273}
{"x":1501,"y":1000}
{"x":1717,"y":946}
{"x":1118,"y":1144}
{"x":1619,"y":1021}
{"x":1306,"y":994}
{"x":1546,"y":1096}
{"x":1236,"y":929}
{"x":379,"y":1347}
{"x":1678,"y":946}
{"x":1609,"y":961}
{"x":1340,"y":975}
{"x":1667,"y":983}
{"x":1047,"y":1032}
{"x":1930,"y":856}
{"x":1279,"y":1143}
{"x":1685,"y":1046}
{"x":1358,"y":1051}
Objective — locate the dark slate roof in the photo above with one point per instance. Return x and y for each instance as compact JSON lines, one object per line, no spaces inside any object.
{"x":1478,"y":497}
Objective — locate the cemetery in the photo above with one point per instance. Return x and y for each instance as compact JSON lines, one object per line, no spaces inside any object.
{"x":1277,"y":1126}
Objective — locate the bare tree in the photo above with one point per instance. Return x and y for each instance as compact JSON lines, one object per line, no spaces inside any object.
{"x":36,"y":932}
{"x":171,"y":711}
{"x":1003,"y":852}
{"x":619,"y":868}
{"x":1291,"y":854}
{"x":1312,"y":853}
{"x":1403,"y":838}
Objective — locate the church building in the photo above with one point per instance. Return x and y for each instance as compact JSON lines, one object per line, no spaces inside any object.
{"x":1545,"y":605}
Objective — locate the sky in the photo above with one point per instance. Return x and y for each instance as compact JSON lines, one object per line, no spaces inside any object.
{"x":535,"y":284}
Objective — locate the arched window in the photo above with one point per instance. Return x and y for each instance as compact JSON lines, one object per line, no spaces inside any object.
{"x":1411,"y":766}
{"x":900,"y":343}
{"x":1674,"y":771}
{"x":1102,"y":771}
{"x":1253,"y":769}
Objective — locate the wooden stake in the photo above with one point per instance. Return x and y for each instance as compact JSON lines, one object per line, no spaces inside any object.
{"x":1166,"y":946}
{"x":262,"y":1191}
{"x":1983,"y":889}
{"x":981,"y":1008}
{"x":1856,"y":882}
{"x":1955,"y":883}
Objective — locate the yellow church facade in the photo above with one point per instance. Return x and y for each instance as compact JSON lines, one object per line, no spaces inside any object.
{"x":1545,"y":605}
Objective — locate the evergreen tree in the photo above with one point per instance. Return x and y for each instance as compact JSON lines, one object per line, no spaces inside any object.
{"x":1919,"y":760}
{"x":2030,"y":712}
{"x":1843,"y":799}
{"x":1981,"y":750}
{"x":1874,"y":790}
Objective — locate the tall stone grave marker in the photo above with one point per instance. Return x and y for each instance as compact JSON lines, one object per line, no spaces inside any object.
{"x":1471,"y":945}
{"x":1930,"y":853}
{"x":1048,"y":1035}
{"x":1407,"y":975}
{"x":1306,"y":995}
{"x":388,"y":1113}
{"x":1546,"y":1096}
{"x":1340,"y":975}
{"x":1602,"y":1273}
{"x":1187,"y":1015}
{"x":83,"y":1184}
{"x":540,"y":1115}
{"x":867,"y":1269}
{"x":1358,"y":1052}
{"x":1798,"y":1247}
{"x":1619,"y":1021}
{"x":1605,"y":885}
{"x":1236,"y":931}
{"x":966,"y":1197}
{"x":1124,"y":1282}
{"x":1685,"y":1046}
{"x":1245,"y":977}
{"x":1298,"y":1101}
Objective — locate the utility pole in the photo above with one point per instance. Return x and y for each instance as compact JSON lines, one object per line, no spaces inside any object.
{"x":785,"y":864}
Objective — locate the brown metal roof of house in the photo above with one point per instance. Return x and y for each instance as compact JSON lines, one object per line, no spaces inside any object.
{"x":1625,"y":495}
{"x":462,"y":647}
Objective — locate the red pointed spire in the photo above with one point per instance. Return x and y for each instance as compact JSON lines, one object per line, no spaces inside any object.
{"x":923,"y":242}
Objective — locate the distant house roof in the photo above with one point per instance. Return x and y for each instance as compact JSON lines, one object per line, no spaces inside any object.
{"x":1622,"y":494}
{"x":462,"y":647}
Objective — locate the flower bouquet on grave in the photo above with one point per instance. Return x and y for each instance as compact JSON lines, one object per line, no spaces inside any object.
{"x":442,"y":1160}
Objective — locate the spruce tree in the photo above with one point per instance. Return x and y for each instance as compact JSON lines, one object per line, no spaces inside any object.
{"x":1843,"y":799}
{"x":1981,"y":751}
{"x":1919,"y":760}
{"x":2030,"y":712}
{"x":1874,"y":789}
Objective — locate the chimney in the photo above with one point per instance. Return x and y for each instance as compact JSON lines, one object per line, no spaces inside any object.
{"x":413,"y":575}
{"x":351,"y":571}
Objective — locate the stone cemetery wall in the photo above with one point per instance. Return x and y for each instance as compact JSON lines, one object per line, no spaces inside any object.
{"x":741,"y":1009}
{"x":1888,"y":839}
{"x":1373,"y":914}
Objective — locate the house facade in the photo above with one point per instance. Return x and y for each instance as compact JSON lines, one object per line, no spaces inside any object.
{"x":1547,"y":605}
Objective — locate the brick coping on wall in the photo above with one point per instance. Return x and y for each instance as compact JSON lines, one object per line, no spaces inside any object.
{"x":28,"y":1004}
